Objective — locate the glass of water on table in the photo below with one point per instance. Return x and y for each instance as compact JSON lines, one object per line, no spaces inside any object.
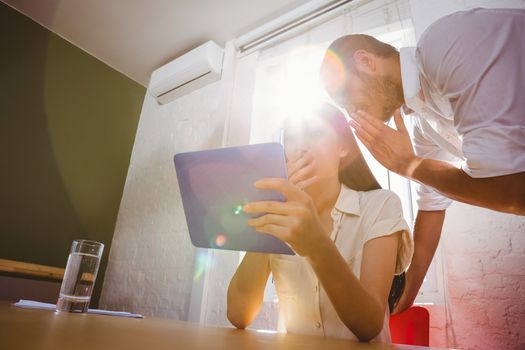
{"x":79,"y":278}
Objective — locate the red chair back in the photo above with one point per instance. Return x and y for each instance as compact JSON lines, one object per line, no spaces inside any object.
{"x":411,"y":326}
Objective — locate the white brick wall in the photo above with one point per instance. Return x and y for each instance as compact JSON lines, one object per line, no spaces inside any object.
{"x":484,"y":252}
{"x":151,"y":261}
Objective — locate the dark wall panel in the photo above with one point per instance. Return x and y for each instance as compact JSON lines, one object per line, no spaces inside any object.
{"x":67,"y":126}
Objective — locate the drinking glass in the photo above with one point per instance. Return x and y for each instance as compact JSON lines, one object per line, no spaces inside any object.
{"x":79,"y":278}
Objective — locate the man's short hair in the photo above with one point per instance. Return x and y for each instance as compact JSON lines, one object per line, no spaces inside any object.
{"x":347,"y":45}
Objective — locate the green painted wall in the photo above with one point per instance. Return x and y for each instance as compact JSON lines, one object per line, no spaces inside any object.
{"x":67,"y":127}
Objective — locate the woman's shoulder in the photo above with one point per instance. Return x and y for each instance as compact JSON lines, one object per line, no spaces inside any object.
{"x":378,"y":195}
{"x":379,"y":200}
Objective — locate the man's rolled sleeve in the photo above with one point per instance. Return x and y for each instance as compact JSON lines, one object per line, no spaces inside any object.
{"x":428,"y":199}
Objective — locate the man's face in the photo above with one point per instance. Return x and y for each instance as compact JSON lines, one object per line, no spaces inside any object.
{"x":379,"y":95}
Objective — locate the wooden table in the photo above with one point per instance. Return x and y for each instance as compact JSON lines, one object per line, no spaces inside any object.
{"x":43,"y":329}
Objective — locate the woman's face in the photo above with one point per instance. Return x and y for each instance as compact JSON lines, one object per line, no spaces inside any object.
{"x":318,"y":139}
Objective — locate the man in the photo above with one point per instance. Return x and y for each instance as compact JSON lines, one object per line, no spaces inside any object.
{"x":464,"y":85}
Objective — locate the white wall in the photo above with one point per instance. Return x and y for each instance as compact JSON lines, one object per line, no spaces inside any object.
{"x":484,"y":256}
{"x":151,"y":263}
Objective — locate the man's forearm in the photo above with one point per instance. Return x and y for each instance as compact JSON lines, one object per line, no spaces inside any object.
{"x":502,"y":193}
{"x":427,"y":231}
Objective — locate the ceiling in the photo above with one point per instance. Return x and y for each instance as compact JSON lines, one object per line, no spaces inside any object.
{"x":137,"y":36}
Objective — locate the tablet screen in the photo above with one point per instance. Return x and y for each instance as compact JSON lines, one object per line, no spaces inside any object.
{"x":216,"y":184}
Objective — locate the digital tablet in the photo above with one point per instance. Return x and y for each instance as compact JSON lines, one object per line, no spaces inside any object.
{"x":216,"y":184}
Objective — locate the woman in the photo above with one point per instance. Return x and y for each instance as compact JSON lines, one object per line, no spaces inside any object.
{"x":349,"y":235}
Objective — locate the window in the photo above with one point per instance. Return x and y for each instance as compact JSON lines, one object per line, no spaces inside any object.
{"x":287,"y":81}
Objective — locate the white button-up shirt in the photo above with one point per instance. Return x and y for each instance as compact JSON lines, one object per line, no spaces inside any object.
{"x":465,"y":82}
{"x":304,"y":306}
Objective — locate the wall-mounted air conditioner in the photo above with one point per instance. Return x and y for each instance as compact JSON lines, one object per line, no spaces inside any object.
{"x":191,"y":71}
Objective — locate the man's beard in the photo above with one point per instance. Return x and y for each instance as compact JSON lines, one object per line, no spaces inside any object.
{"x":381,"y":93}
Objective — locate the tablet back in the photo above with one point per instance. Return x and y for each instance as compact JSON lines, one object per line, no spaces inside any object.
{"x":216,"y":184}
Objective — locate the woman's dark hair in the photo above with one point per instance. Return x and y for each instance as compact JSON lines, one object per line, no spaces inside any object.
{"x":355,"y":173}
{"x":396,"y":290}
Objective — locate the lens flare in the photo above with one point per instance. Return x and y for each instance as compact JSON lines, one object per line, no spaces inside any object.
{"x":334,"y":76}
{"x":201,"y":264}
{"x":335,"y":63}
{"x":220,"y":240}
{"x":238,"y":210}
{"x":205,"y":261}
